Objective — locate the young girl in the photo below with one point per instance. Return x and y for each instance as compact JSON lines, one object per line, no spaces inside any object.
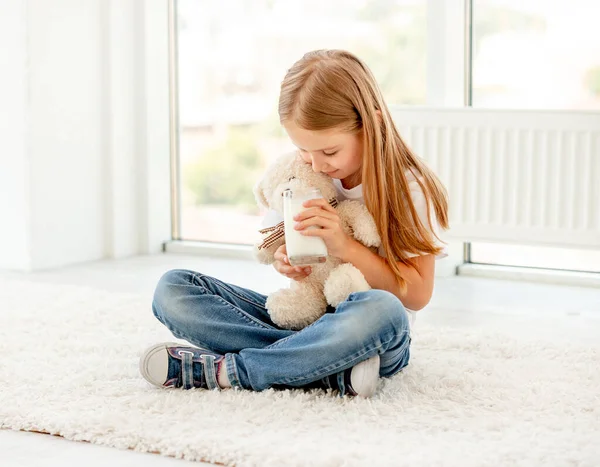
{"x":333,"y":111}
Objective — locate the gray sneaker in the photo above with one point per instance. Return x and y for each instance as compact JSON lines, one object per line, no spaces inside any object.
{"x":172,"y":365}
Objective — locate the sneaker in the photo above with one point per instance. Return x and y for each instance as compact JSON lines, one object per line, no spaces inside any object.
{"x":172,"y":365}
{"x":360,"y":380}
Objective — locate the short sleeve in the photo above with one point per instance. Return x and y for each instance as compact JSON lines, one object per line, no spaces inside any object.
{"x":420,"y":204}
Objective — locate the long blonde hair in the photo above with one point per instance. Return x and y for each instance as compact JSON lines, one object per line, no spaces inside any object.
{"x":329,"y":89}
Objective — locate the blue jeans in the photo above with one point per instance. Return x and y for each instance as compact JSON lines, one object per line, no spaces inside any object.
{"x":233,"y":321}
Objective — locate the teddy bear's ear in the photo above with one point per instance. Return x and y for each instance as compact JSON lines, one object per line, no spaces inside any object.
{"x":259,"y":194}
{"x":276,"y":172}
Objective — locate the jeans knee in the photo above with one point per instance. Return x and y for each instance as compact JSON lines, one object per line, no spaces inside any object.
{"x":167,"y":292}
{"x":384,"y":311}
{"x":372,"y":315}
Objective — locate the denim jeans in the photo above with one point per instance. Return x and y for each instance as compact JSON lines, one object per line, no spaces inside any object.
{"x":233,"y":321}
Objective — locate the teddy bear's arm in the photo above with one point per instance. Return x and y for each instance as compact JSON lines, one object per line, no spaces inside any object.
{"x":360,"y":222}
{"x":272,"y":239}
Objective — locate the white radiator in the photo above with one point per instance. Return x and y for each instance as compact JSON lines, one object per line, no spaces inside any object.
{"x":529,"y":177}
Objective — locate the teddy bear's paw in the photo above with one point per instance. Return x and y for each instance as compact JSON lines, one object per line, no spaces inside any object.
{"x":295,"y":308}
{"x":263,"y":255}
{"x":360,"y":222}
{"x":342,"y":281}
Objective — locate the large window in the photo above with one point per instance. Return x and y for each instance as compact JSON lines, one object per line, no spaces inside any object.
{"x":231,"y":59}
{"x":536,"y":54}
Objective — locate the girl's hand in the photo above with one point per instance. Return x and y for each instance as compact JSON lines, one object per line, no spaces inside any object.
{"x":283,"y":266}
{"x":322,"y":214}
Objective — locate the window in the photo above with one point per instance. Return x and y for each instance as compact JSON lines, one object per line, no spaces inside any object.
{"x":536,"y":54}
{"x":541,"y":55}
{"x":231,"y":60}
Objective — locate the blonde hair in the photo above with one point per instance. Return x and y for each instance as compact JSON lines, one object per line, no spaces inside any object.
{"x":329,"y":89}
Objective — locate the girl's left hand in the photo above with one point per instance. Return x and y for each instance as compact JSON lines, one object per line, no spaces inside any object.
{"x":320,"y":213}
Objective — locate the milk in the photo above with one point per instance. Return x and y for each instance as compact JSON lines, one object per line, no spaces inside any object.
{"x":301,"y":250}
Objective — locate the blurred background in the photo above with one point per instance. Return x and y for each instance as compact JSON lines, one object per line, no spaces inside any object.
{"x":133,"y":127}
{"x":525,"y":55}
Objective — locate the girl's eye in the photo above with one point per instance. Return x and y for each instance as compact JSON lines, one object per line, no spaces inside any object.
{"x":330,"y":153}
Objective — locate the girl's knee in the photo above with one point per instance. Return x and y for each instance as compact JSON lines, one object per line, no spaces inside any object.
{"x":168,"y":291}
{"x":388,"y":309}
{"x":381,"y":310}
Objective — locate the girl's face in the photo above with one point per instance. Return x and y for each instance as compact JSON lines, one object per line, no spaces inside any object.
{"x":335,"y":153}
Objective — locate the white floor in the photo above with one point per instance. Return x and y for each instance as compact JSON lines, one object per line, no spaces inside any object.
{"x":460,"y":302}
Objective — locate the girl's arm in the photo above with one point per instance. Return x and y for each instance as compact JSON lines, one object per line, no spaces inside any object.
{"x":379,"y":275}
{"x":376,"y":269}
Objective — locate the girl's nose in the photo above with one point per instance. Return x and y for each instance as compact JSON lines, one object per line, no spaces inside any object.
{"x":316,"y":165}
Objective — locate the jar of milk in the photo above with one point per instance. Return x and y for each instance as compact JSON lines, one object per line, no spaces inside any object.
{"x":301,"y":250}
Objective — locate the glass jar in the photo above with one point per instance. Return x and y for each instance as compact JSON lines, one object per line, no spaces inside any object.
{"x":301,"y":250}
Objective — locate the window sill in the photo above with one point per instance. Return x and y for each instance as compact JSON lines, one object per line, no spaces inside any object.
{"x":211,"y":249}
{"x":547,"y":276}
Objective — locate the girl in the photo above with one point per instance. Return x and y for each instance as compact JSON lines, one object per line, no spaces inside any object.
{"x":333,"y":111}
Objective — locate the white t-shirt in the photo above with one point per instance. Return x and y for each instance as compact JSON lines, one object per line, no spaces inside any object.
{"x":418,"y":199}
{"x":356,"y":194}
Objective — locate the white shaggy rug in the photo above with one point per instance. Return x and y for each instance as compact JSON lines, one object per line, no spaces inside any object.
{"x":69,"y":367}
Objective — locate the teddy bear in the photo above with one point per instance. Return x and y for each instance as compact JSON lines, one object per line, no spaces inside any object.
{"x":330,"y":282}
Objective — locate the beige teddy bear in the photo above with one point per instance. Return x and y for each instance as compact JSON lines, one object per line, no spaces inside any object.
{"x":330,"y":282}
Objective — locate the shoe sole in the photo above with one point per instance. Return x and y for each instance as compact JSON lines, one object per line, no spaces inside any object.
{"x":365,"y":377}
{"x":151,"y":365}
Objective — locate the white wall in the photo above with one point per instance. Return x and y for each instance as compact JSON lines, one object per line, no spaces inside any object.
{"x":84,"y":173}
{"x":65,"y":132}
{"x":13,"y":164}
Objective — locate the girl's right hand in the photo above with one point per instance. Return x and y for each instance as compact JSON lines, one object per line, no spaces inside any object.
{"x":283,"y":266}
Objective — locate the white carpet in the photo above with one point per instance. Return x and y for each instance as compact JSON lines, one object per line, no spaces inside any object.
{"x":69,"y":366}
